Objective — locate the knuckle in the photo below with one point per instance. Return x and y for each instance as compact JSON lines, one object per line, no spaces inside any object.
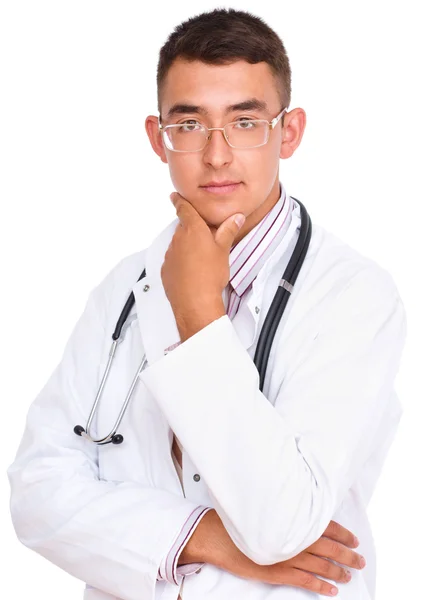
{"x":310,"y":582}
{"x":335,"y":549}
{"x":306,"y":579}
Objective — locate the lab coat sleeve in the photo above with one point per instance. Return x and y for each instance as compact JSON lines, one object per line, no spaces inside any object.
{"x":110,"y":534}
{"x":277,"y":473}
{"x":169,"y":569}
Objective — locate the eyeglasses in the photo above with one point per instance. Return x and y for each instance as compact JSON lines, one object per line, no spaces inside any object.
{"x":193,"y":137}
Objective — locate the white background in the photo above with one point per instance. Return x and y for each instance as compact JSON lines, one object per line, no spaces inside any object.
{"x":81,"y":188}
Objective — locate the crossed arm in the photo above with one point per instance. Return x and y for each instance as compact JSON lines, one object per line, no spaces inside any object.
{"x":210,"y":543}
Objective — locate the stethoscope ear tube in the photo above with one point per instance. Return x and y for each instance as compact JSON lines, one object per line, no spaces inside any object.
{"x":281,"y":297}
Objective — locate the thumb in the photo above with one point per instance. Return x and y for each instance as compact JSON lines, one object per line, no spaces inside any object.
{"x":227,"y":231}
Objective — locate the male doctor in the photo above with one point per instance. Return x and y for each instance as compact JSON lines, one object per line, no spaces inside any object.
{"x":220,"y":490}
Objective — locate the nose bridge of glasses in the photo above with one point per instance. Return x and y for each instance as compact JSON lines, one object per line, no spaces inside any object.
{"x":222,"y":129}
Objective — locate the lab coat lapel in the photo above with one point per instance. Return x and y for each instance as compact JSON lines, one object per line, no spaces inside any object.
{"x":155,"y":315}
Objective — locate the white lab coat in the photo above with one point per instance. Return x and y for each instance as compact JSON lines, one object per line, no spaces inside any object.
{"x":277,"y":466}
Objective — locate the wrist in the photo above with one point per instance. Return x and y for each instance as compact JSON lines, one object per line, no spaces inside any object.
{"x":210,"y":543}
{"x":198,"y":545}
{"x":192,"y":319}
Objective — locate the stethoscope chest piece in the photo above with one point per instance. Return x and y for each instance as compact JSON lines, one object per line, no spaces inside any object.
{"x":116,"y":438}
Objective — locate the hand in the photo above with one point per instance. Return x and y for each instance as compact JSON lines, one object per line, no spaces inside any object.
{"x":334,"y":545}
{"x":211,"y":543}
{"x":196,"y":264}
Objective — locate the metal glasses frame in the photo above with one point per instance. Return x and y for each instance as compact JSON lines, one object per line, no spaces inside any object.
{"x":272,"y":124}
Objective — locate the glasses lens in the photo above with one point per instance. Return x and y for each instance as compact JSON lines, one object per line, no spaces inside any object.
{"x":191,"y":137}
{"x":247,"y":133}
{"x":187,"y":137}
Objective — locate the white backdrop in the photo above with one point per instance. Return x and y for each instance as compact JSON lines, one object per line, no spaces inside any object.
{"x":81,"y":188}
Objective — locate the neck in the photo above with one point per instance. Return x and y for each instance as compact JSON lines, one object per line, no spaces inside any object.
{"x":257,"y":215}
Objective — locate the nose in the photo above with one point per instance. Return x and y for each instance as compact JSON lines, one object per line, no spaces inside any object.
{"x":217,"y":151}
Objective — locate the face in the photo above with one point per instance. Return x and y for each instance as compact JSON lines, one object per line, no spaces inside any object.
{"x":214,"y":88}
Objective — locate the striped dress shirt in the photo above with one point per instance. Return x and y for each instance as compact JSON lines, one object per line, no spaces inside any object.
{"x":246,"y":259}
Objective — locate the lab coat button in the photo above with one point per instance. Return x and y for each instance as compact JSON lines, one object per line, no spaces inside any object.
{"x":196,"y":477}
{"x":146,"y":288}
{"x":257,"y":309}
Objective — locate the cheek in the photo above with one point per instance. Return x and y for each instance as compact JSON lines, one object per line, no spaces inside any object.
{"x":184,"y":173}
{"x":261,"y":166}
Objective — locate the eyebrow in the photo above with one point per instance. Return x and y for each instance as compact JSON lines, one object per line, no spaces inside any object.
{"x":250,"y":104}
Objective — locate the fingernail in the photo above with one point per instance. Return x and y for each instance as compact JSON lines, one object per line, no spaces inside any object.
{"x":334,"y":591}
{"x":348,"y":575}
{"x":239,"y":220}
{"x":356,"y":541}
{"x":362,"y":561}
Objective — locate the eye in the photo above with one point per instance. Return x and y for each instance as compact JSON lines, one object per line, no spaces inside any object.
{"x":190,"y":125}
{"x":245,"y":120}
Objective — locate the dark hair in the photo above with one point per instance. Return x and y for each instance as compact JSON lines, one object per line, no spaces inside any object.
{"x":221,"y":37}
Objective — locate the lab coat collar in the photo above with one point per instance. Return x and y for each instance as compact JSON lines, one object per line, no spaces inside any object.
{"x":155,"y":314}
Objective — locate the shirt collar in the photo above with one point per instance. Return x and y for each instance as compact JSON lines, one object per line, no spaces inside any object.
{"x":249,"y":255}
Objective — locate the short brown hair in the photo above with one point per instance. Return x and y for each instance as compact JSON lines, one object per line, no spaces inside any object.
{"x":223,"y":36}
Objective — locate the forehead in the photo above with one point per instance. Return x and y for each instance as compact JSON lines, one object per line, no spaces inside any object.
{"x":216,"y":87}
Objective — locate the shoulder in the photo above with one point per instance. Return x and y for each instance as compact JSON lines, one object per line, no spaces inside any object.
{"x":358,"y":294}
{"x":339,"y":284}
{"x":342,"y":267}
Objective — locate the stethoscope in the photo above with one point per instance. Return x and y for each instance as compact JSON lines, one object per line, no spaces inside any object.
{"x":263,"y":347}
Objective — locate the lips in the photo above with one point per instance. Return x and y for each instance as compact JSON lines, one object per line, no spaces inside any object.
{"x":220,"y":183}
{"x":221,"y":189}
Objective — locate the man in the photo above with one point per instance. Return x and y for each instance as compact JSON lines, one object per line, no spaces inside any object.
{"x":220,"y":489}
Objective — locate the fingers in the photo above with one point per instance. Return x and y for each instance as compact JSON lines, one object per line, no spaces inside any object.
{"x":338,"y":552}
{"x":185,"y":212}
{"x":323,"y":567}
{"x":337,"y":532}
{"x":227,"y":231}
{"x":283,"y":575}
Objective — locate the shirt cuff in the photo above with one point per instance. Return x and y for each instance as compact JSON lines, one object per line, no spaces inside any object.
{"x":169,"y":569}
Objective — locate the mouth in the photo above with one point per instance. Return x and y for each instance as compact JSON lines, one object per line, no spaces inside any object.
{"x":221,"y":190}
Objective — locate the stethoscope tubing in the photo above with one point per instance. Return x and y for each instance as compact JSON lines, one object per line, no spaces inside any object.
{"x":276,"y":310}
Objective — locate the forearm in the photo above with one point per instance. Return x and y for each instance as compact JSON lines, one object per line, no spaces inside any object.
{"x":210,"y":543}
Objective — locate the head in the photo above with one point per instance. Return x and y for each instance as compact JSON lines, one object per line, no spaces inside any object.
{"x":219,"y":67}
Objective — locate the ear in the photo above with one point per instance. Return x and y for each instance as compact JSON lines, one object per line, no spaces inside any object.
{"x":156,"y":141}
{"x":294,"y":125}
